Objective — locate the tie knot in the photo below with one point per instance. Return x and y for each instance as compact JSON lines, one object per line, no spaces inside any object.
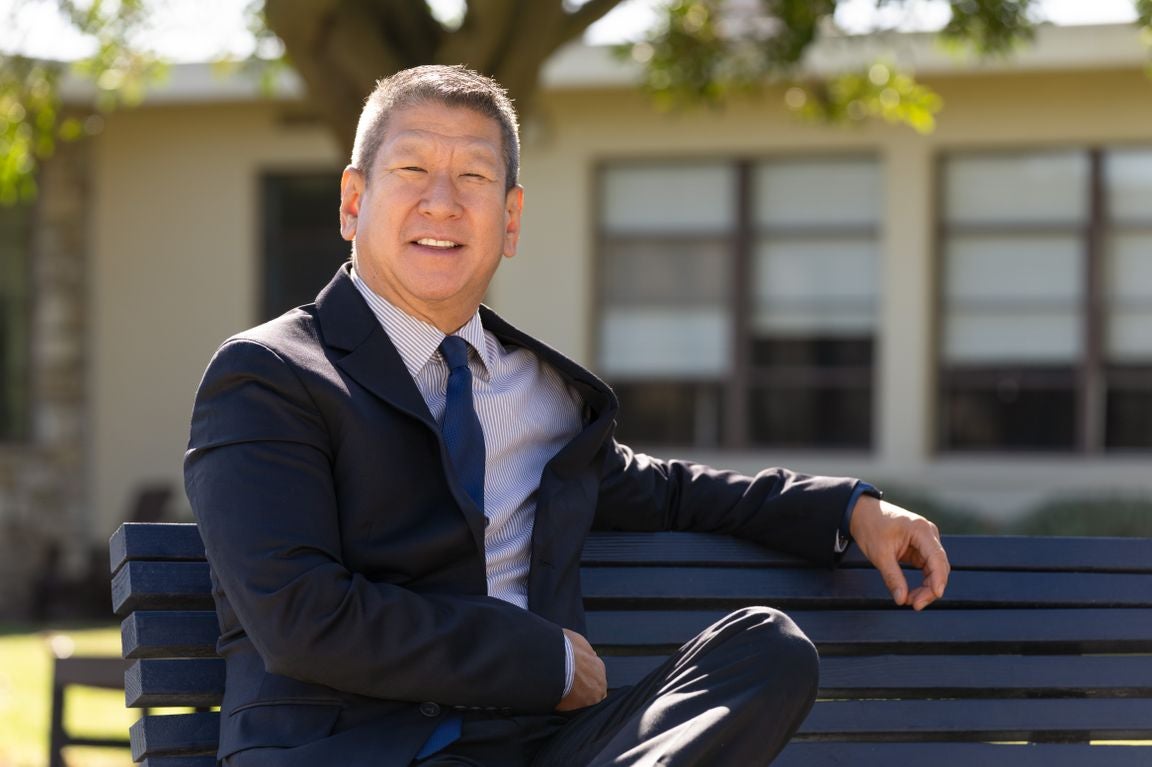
{"x":455,"y":351}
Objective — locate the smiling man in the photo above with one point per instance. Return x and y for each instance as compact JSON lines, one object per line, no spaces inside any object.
{"x":394,"y":486}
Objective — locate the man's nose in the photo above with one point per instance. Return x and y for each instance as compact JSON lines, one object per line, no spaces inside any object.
{"x":440,"y":196}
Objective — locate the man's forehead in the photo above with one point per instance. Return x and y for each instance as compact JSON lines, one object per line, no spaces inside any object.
{"x":430,"y":124}
{"x":414,"y":138}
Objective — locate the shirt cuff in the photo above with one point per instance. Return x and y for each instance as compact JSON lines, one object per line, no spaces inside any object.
{"x":844,"y":533}
{"x":569,"y":667}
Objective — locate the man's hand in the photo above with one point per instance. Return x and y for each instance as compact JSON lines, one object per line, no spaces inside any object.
{"x":589,"y":683}
{"x":889,"y":535}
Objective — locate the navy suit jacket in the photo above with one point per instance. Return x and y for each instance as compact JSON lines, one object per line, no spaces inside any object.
{"x":348,"y":563}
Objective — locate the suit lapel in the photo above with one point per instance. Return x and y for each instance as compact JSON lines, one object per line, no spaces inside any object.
{"x":368,"y":356}
{"x":370,"y":359}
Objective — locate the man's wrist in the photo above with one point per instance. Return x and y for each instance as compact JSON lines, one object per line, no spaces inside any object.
{"x":844,"y":533}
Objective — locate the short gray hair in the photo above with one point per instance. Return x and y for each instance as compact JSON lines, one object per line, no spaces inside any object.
{"x":454,"y":86}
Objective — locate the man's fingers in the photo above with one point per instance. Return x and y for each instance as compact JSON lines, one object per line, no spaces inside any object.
{"x":935,"y":562}
{"x":929,"y":553}
{"x":894,"y":579}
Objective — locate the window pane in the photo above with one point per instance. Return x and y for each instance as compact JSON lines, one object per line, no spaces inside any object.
{"x":669,"y":413}
{"x":1130,"y":267}
{"x":827,"y":353}
{"x":1012,"y":336}
{"x":670,"y":198}
{"x":985,"y":267}
{"x":1130,"y":335}
{"x":666,"y":272}
{"x":1128,"y":180}
{"x":1034,"y":188}
{"x":810,"y":416}
{"x":302,"y":242}
{"x":818,"y":192}
{"x":1129,"y":409}
{"x":1008,"y":415}
{"x":694,"y":343}
{"x":819,"y":285}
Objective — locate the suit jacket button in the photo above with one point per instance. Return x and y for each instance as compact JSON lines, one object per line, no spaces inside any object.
{"x":430,"y":709}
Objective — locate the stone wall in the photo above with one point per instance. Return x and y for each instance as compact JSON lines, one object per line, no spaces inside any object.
{"x":44,"y":480}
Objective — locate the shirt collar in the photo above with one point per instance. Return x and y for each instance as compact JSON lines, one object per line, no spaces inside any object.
{"x":416,"y":340}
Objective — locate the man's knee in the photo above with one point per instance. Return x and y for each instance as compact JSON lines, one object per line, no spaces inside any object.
{"x":784,"y":654}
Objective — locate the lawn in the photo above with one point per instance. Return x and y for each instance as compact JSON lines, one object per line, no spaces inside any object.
{"x":26,"y":697}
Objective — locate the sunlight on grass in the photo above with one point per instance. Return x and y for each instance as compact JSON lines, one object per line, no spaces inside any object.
{"x":26,"y":698}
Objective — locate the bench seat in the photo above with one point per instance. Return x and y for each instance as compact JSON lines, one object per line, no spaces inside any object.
{"x":1040,"y":654}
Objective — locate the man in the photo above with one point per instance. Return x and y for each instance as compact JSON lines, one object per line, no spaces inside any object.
{"x":394,"y":486}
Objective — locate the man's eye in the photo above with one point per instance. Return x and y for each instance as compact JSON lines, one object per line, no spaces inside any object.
{"x":413,"y":169}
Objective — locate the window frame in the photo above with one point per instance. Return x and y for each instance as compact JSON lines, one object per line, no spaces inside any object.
{"x":736,"y":387}
{"x":1092,"y":373}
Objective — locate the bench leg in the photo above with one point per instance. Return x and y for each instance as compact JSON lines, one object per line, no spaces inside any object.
{"x":56,"y":731}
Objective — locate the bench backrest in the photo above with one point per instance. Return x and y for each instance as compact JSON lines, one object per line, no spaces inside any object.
{"x":1044,"y":643}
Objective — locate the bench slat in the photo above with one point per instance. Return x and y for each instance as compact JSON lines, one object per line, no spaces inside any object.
{"x":171,"y":541}
{"x":980,"y":720}
{"x":954,"y":676}
{"x":181,"y":541}
{"x":965,"y":552}
{"x":175,"y":735}
{"x":200,"y":682}
{"x":161,"y":586}
{"x":734,"y":587}
{"x":169,"y":634}
{"x":155,"y":682}
{"x":887,"y":631}
{"x":960,"y":755}
{"x":180,"y":761}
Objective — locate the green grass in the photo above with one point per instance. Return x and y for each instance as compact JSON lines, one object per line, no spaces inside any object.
{"x":26,"y":697}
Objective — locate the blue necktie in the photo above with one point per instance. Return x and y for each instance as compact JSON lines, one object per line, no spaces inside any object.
{"x":461,"y":428}
{"x":464,"y":439}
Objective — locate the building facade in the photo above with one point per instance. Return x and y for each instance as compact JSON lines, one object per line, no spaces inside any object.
{"x":967,"y":314}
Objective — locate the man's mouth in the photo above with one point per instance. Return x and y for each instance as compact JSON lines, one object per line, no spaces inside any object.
{"x":441,"y":244}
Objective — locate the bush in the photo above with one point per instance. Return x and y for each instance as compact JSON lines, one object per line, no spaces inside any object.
{"x":1105,"y":517}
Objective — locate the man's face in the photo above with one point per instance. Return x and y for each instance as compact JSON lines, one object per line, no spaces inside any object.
{"x":433,"y":221}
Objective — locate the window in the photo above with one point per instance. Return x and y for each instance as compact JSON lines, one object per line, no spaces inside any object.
{"x":14,"y":316}
{"x":302,"y":242}
{"x":738,"y":300}
{"x":1047,"y":301}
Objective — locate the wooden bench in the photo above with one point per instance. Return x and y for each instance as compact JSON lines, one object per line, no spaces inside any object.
{"x":1041,"y":653}
{"x":84,"y":671}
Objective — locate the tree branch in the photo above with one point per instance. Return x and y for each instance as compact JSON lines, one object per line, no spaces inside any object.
{"x":584,"y":17}
{"x":481,"y":37}
{"x":410,"y":28}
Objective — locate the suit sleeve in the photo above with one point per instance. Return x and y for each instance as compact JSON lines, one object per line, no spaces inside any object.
{"x":259,"y":476}
{"x":787,"y":511}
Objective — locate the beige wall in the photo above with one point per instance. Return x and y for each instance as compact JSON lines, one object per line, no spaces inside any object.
{"x":175,"y":267}
{"x":177,"y":238}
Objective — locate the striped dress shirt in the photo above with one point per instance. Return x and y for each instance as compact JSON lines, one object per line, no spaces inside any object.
{"x":528,"y":413}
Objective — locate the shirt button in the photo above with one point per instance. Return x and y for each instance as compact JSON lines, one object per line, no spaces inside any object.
{"x":429,"y":709}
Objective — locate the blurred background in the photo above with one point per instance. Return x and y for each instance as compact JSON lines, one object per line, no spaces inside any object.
{"x":911,"y":244}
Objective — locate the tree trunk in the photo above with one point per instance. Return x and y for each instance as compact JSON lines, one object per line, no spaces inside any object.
{"x":340,"y":48}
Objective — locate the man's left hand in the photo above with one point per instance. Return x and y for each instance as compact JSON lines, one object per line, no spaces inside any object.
{"x":888,"y":536}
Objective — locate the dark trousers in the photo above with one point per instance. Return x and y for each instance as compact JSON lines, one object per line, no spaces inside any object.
{"x":733,"y":695}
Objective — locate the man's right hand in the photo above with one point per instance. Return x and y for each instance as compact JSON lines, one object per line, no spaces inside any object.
{"x":589,"y":682}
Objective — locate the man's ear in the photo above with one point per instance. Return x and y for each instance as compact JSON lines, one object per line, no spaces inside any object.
{"x":513,"y":210}
{"x":351,"y":193}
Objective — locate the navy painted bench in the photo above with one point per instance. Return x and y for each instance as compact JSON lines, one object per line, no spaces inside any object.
{"x":1040,"y":654}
